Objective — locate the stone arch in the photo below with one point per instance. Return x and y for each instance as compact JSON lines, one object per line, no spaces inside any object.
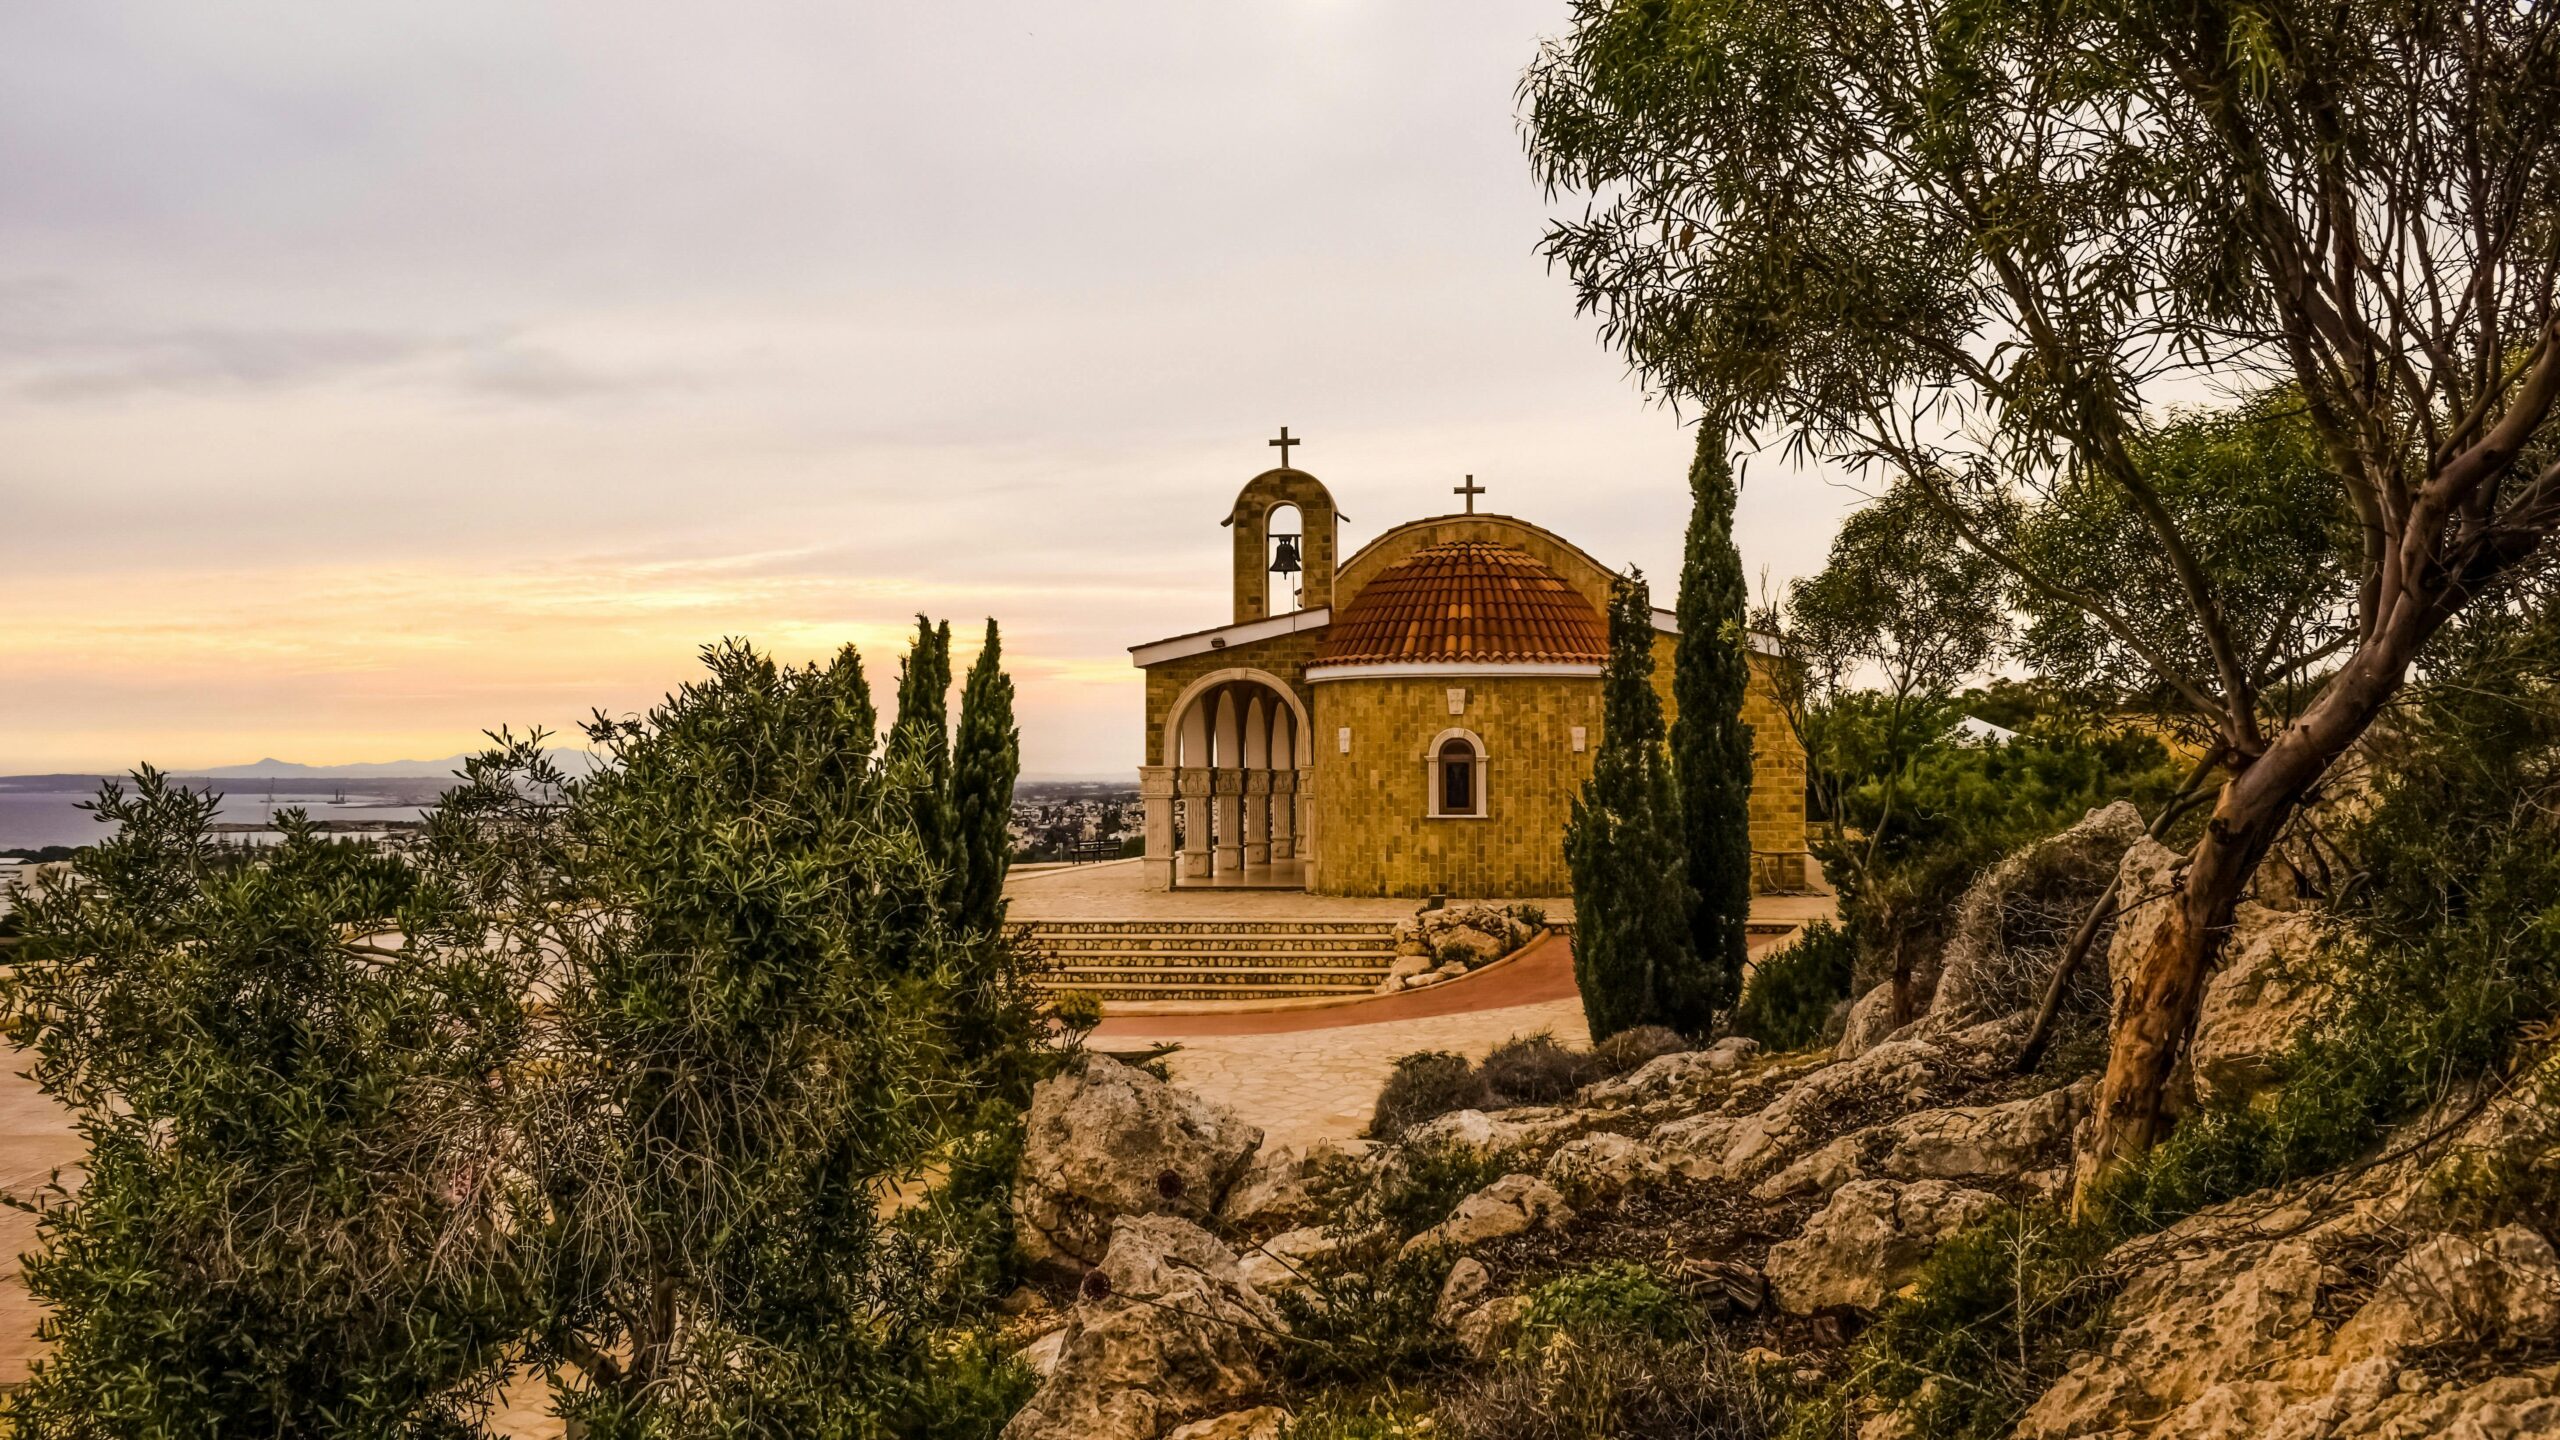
{"x":1193,"y":693}
{"x":1437,"y":800}
{"x":1251,"y":520}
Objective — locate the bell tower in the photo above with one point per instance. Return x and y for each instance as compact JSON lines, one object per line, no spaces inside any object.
{"x":1314,"y":551}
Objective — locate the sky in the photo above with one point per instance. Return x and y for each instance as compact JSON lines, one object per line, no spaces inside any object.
{"x":372,"y":375}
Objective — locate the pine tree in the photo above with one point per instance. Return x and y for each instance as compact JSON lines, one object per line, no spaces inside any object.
{"x":1632,"y":955}
{"x":1710,"y":742}
{"x":985,"y":762}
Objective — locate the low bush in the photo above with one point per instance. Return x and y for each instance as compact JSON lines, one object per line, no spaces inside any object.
{"x":1788,"y":1003}
{"x":1533,"y":916}
{"x":1413,"y":1192}
{"x":1991,"y":1321}
{"x":1616,"y":1299}
{"x":1535,"y":1070}
{"x":1632,"y":1049}
{"x":1636,"y":1386}
{"x":1425,"y":1086}
{"x":1361,"y":1323}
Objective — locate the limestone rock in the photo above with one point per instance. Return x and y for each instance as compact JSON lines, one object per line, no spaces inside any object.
{"x":1467,"y":1283}
{"x":1893,"y":1077}
{"x":1532,"y":1131}
{"x":1105,"y":1141}
{"x":1483,"y":1331}
{"x":1597,"y":1169}
{"x":1405,"y":967}
{"x":1870,"y":1022}
{"x":1279,"y":1188}
{"x":1283,"y":1260}
{"x":2503,"y":1288}
{"x":1964,"y":1142}
{"x":1512,"y":1205}
{"x":2254,"y":1004}
{"x":2146,"y":888}
{"x":1687,"y":1074}
{"x":1166,"y":1330}
{"x":1263,"y":1422}
{"x":1042,"y":1354}
{"x":1869,"y":1241}
{"x":1462,"y":935}
{"x":1979,"y":973}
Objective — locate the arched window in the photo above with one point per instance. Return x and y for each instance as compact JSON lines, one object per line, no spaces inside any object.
{"x":1457,"y":777}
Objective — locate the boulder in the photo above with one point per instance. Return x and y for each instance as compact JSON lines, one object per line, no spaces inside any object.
{"x":2146,"y":887}
{"x":1893,"y":1078}
{"x":1869,"y":1241}
{"x":2259,"y":998}
{"x":1283,"y":1260}
{"x":1263,"y":1422}
{"x":1684,"y":1075}
{"x":1512,"y":1205}
{"x":1467,"y":1283}
{"x":1597,"y":1169}
{"x":1483,"y":1331}
{"x":1042,"y":1354}
{"x":1870,"y":1023}
{"x":1405,"y":967}
{"x":1165,"y":1330}
{"x":2502,"y":1289}
{"x":1531,"y":1131}
{"x":1980,"y":973}
{"x":1105,"y":1141}
{"x":1962,"y":1142}
{"x":1279,"y":1188}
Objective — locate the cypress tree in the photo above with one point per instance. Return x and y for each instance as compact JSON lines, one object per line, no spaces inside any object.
{"x":1710,"y":743}
{"x":1632,"y":955}
{"x":985,"y":762}
{"x":920,"y":742}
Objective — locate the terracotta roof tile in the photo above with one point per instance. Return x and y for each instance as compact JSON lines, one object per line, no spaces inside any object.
{"x":1469,"y":600}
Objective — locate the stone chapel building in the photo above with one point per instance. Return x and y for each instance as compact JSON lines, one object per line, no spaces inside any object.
{"x":1414,"y":719}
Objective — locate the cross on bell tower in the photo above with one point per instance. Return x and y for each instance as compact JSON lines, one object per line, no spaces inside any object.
{"x":1284,"y":442}
{"x":1471,"y":490}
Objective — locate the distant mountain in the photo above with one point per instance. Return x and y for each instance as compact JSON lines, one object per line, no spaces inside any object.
{"x":576,"y":762}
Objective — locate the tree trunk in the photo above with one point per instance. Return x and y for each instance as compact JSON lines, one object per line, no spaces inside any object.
{"x":2156,"y":1010}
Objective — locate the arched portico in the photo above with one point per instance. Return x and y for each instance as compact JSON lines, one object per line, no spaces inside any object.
{"x":1227,"y":806}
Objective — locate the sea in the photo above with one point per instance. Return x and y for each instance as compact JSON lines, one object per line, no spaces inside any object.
{"x":33,"y":819}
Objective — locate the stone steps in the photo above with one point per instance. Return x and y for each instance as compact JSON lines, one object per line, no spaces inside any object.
{"x":1214,"y":959}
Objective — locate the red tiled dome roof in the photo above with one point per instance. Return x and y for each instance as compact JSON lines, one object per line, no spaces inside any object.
{"x":1467,"y":600}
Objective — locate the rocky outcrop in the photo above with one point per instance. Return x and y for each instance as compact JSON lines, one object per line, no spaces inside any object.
{"x":1988,"y":967}
{"x":1165,"y":1330}
{"x":1597,"y":1169}
{"x":1512,"y":1205}
{"x":1280,"y":1188}
{"x":1105,"y":1141}
{"x":1445,"y":944}
{"x":1869,"y":1241}
{"x":1285,"y":1259}
{"x":1982,"y":1143}
{"x":2257,"y":1000}
{"x":1686,"y":1075}
{"x":1527,"y":1132}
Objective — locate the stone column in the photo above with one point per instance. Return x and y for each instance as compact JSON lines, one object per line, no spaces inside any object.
{"x":1227,"y":797}
{"x":1284,"y":815}
{"x":1193,"y":788}
{"x":1307,"y":819}
{"x":1257,"y":818}
{"x":1155,"y":796}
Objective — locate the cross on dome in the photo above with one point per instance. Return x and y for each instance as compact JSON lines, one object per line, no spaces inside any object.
{"x":1471,"y":490}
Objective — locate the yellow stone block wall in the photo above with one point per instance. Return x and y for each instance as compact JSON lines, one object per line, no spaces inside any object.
{"x":1777,"y":771}
{"x":1371,"y":806}
{"x":1282,"y":657}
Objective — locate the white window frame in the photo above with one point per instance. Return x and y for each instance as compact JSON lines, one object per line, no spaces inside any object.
{"x":1431,"y":778}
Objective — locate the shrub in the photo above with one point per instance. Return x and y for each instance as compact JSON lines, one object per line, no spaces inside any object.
{"x":1414,"y":1191}
{"x":1426,"y":1085}
{"x":1535,"y":1070}
{"x":1453,"y":953}
{"x":1366,"y":1322}
{"x":1792,"y":993}
{"x":1532,"y":915}
{"x":1630,"y":1050}
{"x":1609,"y":1301}
{"x":1625,"y":1387}
{"x":1993,"y":1317}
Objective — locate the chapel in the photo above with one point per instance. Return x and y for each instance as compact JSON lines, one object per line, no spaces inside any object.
{"x":1410,"y":720}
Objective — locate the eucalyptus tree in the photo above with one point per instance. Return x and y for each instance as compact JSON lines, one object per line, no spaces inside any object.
{"x":1981,"y":244}
{"x":1710,"y":741}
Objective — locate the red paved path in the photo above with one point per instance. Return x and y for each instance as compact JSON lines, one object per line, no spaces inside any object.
{"x":1541,"y":972}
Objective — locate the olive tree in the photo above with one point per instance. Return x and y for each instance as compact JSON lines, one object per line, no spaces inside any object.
{"x":1981,"y":243}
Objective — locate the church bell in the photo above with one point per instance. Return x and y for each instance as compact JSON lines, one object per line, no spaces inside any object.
{"x":1284,"y":557}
